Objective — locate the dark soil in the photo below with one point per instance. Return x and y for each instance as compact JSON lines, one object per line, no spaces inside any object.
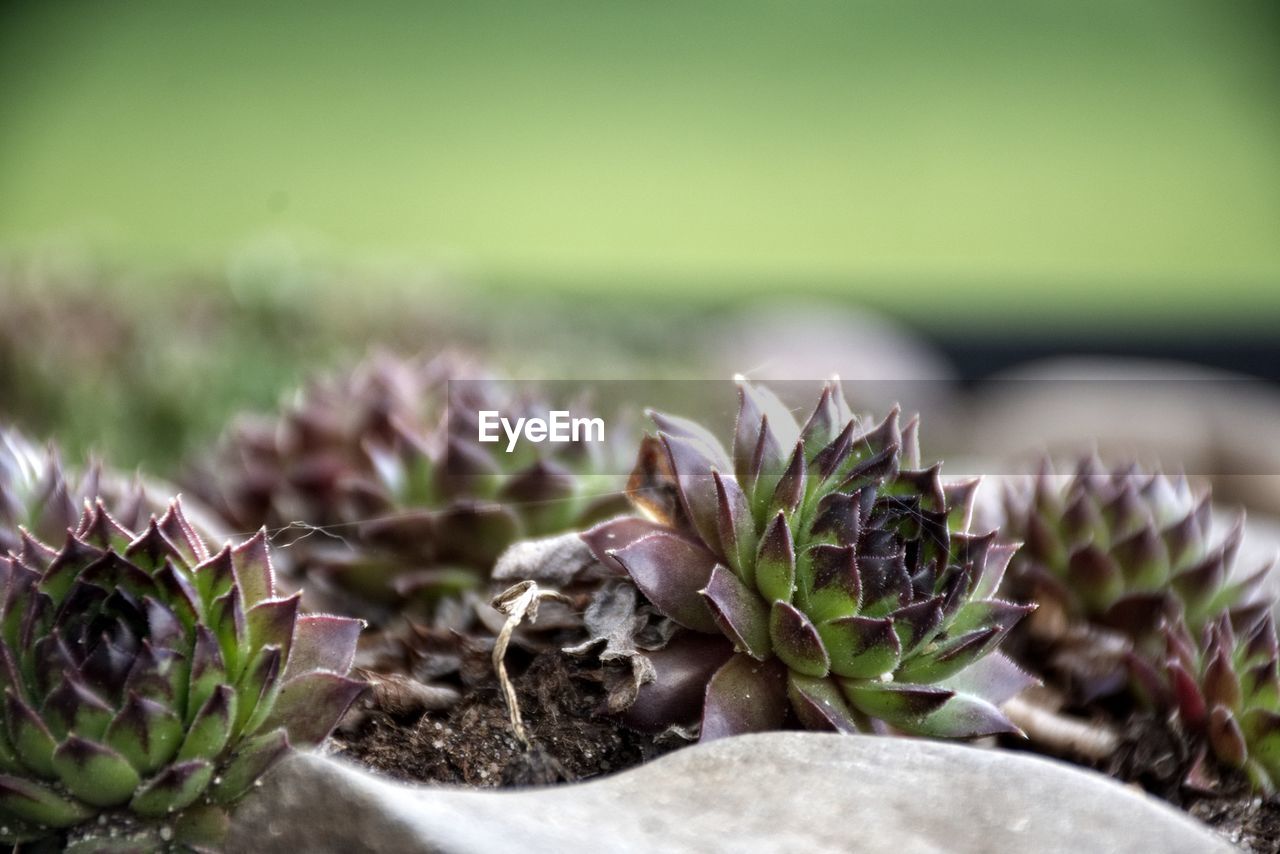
{"x":473,"y":743}
{"x":1251,"y":823}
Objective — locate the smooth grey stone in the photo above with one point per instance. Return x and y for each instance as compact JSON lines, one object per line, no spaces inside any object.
{"x":774,"y":792}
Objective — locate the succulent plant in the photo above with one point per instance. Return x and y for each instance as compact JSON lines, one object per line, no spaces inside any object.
{"x":1123,"y":548}
{"x":148,"y":683}
{"x":1113,"y":556}
{"x":817,"y":571}
{"x":1225,"y":688}
{"x":412,"y":505}
{"x":39,"y":495}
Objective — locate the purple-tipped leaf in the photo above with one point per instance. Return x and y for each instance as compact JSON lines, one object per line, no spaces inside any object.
{"x":248,"y":761}
{"x":251,"y":564}
{"x":776,"y":561}
{"x":861,"y":647}
{"x":29,"y":801}
{"x":796,"y":641}
{"x":693,"y":469}
{"x":174,"y":788}
{"x":95,"y":774}
{"x":740,"y":613}
{"x":736,"y":527}
{"x":820,"y":705}
{"x":310,"y":705}
{"x":146,"y":733}
{"x":271,"y":623}
{"x":892,"y":701}
{"x":963,"y":716}
{"x":322,"y":642}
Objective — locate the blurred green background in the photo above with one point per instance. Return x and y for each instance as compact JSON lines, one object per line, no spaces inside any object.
{"x":1023,"y":169}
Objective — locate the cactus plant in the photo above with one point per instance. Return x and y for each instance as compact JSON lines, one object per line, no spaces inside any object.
{"x":147,"y":683}
{"x":412,"y":505}
{"x":817,"y":570}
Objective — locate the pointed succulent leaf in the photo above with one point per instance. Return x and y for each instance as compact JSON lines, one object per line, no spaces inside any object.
{"x":693,"y":468}
{"x":796,"y":641}
{"x":258,"y":689}
{"x":951,"y":656}
{"x":963,"y":716}
{"x":831,"y":577}
{"x":29,"y":736}
{"x":695,"y":433}
{"x":917,"y":624}
{"x":146,"y":733}
{"x":1226,"y":738}
{"x":736,"y":527}
{"x":271,"y":622}
{"x":681,"y":671}
{"x":174,"y":788}
{"x":209,"y":731}
{"x":214,"y":577}
{"x":861,"y":647}
{"x":94,"y":773}
{"x":744,"y":695}
{"x":35,"y":803}
{"x":248,"y":761}
{"x":322,"y":642}
{"x":616,"y":534}
{"x":670,"y":570}
{"x":776,"y":561}
{"x":178,"y":531}
{"x":152,"y":549}
{"x":208,"y":669}
{"x":251,"y":565}
{"x":894,"y":702}
{"x":820,"y":705}
{"x":310,"y":705}
{"x":740,"y":613}
{"x":790,"y":488}
{"x":994,"y":678}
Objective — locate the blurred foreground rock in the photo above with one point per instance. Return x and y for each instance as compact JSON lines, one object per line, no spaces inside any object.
{"x":776,"y":792}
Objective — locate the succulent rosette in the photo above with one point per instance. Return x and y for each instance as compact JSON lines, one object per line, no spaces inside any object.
{"x":413,"y":507}
{"x":818,"y":574}
{"x":38,"y":494}
{"x":1112,"y":557}
{"x":1225,"y":688}
{"x":148,"y":683}
{"x":1125,"y":549}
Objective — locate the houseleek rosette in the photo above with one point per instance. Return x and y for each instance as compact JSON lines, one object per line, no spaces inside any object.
{"x":816,"y":571}
{"x":1225,"y":688}
{"x":418,"y":507}
{"x":1124,"y":549}
{"x":41,"y":495}
{"x":147,"y":683}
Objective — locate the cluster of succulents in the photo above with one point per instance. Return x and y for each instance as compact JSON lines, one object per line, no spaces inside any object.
{"x":1133,"y":555}
{"x":148,"y":683}
{"x":818,"y":573}
{"x":387,"y":464}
